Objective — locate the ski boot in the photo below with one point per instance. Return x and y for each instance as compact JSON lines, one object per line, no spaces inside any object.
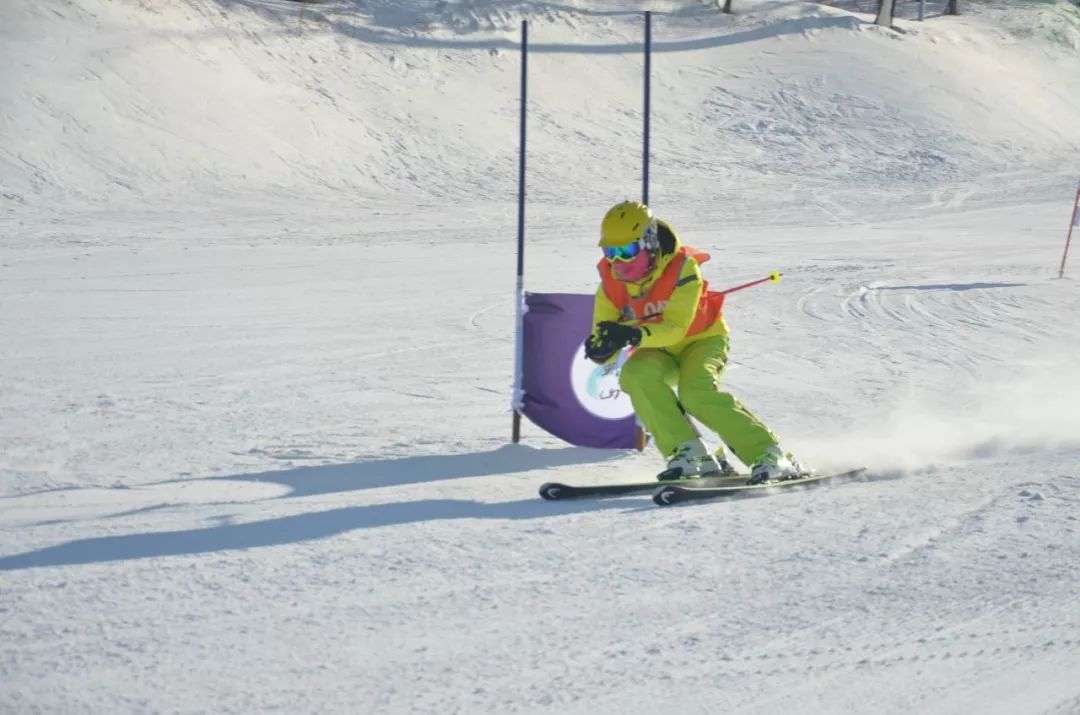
{"x":690,"y":459}
{"x":775,"y":466}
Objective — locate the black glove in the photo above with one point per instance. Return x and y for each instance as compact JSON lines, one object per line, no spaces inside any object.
{"x":598,"y":350}
{"x":618,"y":335}
{"x":609,"y":339}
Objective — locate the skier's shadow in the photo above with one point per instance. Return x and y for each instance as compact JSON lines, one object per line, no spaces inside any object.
{"x":309,"y":526}
{"x":296,"y":528}
{"x":336,"y":478}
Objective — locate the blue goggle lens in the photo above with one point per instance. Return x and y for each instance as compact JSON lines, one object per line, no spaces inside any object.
{"x":622,"y":253}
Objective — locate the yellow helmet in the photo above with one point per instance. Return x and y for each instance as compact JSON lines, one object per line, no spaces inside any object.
{"x":625,"y":223}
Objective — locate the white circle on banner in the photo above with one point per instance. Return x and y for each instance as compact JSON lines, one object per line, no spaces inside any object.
{"x":597,"y":386}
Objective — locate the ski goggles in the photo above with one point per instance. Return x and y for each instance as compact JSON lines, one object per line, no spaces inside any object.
{"x":622,"y":253}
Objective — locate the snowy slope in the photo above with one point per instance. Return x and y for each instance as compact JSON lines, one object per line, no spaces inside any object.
{"x":196,"y":100}
{"x":256,"y":308}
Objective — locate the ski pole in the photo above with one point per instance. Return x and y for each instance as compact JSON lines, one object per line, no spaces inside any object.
{"x":774,"y":277}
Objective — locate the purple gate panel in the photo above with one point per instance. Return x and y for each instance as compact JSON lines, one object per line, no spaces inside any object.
{"x":563,"y":392}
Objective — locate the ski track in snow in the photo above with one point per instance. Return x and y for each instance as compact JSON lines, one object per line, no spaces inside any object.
{"x":256,"y":293}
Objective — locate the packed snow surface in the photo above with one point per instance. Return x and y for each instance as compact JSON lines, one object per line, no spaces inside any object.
{"x":256,"y":349}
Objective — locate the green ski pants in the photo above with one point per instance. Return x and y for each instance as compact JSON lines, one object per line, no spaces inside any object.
{"x":651,"y":373}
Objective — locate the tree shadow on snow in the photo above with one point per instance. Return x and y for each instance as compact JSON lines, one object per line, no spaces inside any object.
{"x":954,"y":286}
{"x":786,"y":27}
{"x":287,"y":530}
{"x":396,"y":27}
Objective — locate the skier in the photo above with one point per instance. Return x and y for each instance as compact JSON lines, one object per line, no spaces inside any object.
{"x":652,"y":297}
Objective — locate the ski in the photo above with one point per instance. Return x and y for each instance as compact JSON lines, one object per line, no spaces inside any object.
{"x":670,"y":494}
{"x":553,"y":491}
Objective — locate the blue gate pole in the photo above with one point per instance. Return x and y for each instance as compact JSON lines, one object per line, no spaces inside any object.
{"x":648,"y":68}
{"x":640,"y":438}
{"x":519,"y":292}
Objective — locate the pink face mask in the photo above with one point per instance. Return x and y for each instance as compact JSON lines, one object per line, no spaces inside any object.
{"x":634,"y":270}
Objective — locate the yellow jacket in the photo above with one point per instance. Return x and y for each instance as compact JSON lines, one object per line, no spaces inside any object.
{"x":680,"y":309}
